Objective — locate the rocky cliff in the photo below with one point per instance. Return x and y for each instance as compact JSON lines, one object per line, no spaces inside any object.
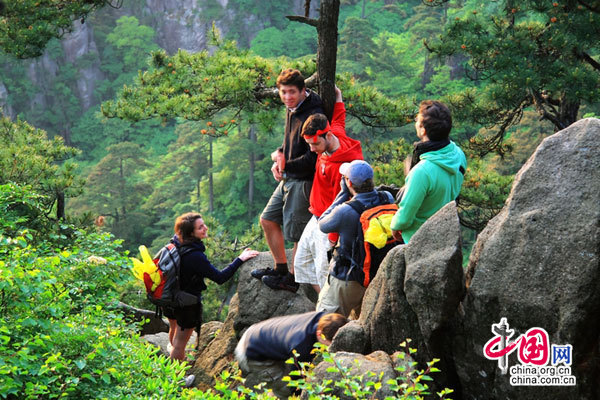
{"x":535,"y":268}
{"x":179,"y":24}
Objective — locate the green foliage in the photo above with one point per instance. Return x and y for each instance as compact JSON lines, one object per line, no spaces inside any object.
{"x":26,"y":26}
{"x":124,"y":53}
{"x":296,"y":40}
{"x":533,"y":53}
{"x":27,"y":156}
{"x":60,"y":335}
{"x":114,"y":187}
{"x":21,"y":212}
{"x":483,"y":194}
{"x":396,"y":64}
{"x":94,"y":133}
{"x":356,"y":43}
{"x":199,"y":86}
{"x":387,"y":158}
{"x":410,"y":382}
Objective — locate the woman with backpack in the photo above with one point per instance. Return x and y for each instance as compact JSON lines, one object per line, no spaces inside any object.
{"x":190,"y":229}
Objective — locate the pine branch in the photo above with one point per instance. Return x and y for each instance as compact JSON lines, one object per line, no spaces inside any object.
{"x":304,"y":20}
{"x":587,"y":58}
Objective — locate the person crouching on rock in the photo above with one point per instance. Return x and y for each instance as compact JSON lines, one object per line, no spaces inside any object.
{"x":264,"y":347}
{"x":190,"y":229}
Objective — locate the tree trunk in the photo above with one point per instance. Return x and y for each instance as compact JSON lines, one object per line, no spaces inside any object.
{"x":60,"y":205}
{"x":210,"y":176}
{"x":67,"y":134}
{"x":122,"y":187}
{"x":327,"y":52}
{"x":428,"y":71}
{"x":568,"y":112}
{"x":198,"y":193}
{"x":252,"y":164}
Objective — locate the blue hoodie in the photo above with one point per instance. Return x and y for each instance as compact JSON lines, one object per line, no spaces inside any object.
{"x":342,"y":218}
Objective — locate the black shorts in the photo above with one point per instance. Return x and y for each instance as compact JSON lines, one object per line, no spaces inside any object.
{"x":187,"y":317}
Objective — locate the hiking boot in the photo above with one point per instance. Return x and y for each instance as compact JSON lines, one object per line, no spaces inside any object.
{"x":258,"y":273}
{"x":279,"y":282}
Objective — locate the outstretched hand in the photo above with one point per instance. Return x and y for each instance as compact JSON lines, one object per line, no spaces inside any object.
{"x":248,"y":254}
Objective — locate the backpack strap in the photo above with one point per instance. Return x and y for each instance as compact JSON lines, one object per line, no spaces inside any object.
{"x":184,"y":249}
{"x":357,"y":206}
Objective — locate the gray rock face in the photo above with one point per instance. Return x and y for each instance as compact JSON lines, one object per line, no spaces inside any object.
{"x":386,"y":315}
{"x":5,"y":108}
{"x":351,"y":337}
{"x":433,"y":282}
{"x":179,"y":25}
{"x":253,"y":302}
{"x":538,"y":265}
{"x":81,"y":43}
{"x":415,"y":295}
{"x":258,"y":302}
{"x":216,"y":350}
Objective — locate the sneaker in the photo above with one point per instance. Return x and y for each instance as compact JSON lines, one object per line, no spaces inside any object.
{"x":281,"y":282}
{"x":258,"y":273}
{"x":188,"y":382}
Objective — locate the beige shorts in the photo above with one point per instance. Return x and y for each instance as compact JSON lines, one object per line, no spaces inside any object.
{"x":344,"y":297}
{"x":310,"y":262}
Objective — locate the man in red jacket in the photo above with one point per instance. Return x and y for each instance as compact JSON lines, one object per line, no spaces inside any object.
{"x":334,"y":148}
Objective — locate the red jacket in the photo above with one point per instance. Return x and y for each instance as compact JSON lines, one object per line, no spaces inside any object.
{"x":326,"y":183}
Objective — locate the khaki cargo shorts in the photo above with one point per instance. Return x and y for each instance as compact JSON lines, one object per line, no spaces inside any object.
{"x":288,"y":206}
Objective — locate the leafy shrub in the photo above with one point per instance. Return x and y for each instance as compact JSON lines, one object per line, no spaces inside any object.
{"x":410,"y":383}
{"x":60,"y":333}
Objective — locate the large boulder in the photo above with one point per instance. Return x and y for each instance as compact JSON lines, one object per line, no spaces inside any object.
{"x":386,"y":315}
{"x":537,"y":264}
{"x":217,"y":346}
{"x":415,"y":295}
{"x":253,"y":302}
{"x":258,"y":302}
{"x":434,"y":279}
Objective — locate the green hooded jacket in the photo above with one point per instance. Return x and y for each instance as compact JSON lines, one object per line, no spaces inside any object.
{"x":431,"y":184}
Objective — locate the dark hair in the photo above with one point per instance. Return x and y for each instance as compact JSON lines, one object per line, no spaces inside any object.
{"x":436,"y":119}
{"x":184,"y":227}
{"x":330,"y":323}
{"x":365,"y":187}
{"x":314,"y":123}
{"x":291,"y":77}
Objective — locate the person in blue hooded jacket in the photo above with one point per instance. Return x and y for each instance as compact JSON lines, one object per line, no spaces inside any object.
{"x":265,"y":346}
{"x":343,"y":291}
{"x":190,"y":229}
{"x":435,"y":174}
